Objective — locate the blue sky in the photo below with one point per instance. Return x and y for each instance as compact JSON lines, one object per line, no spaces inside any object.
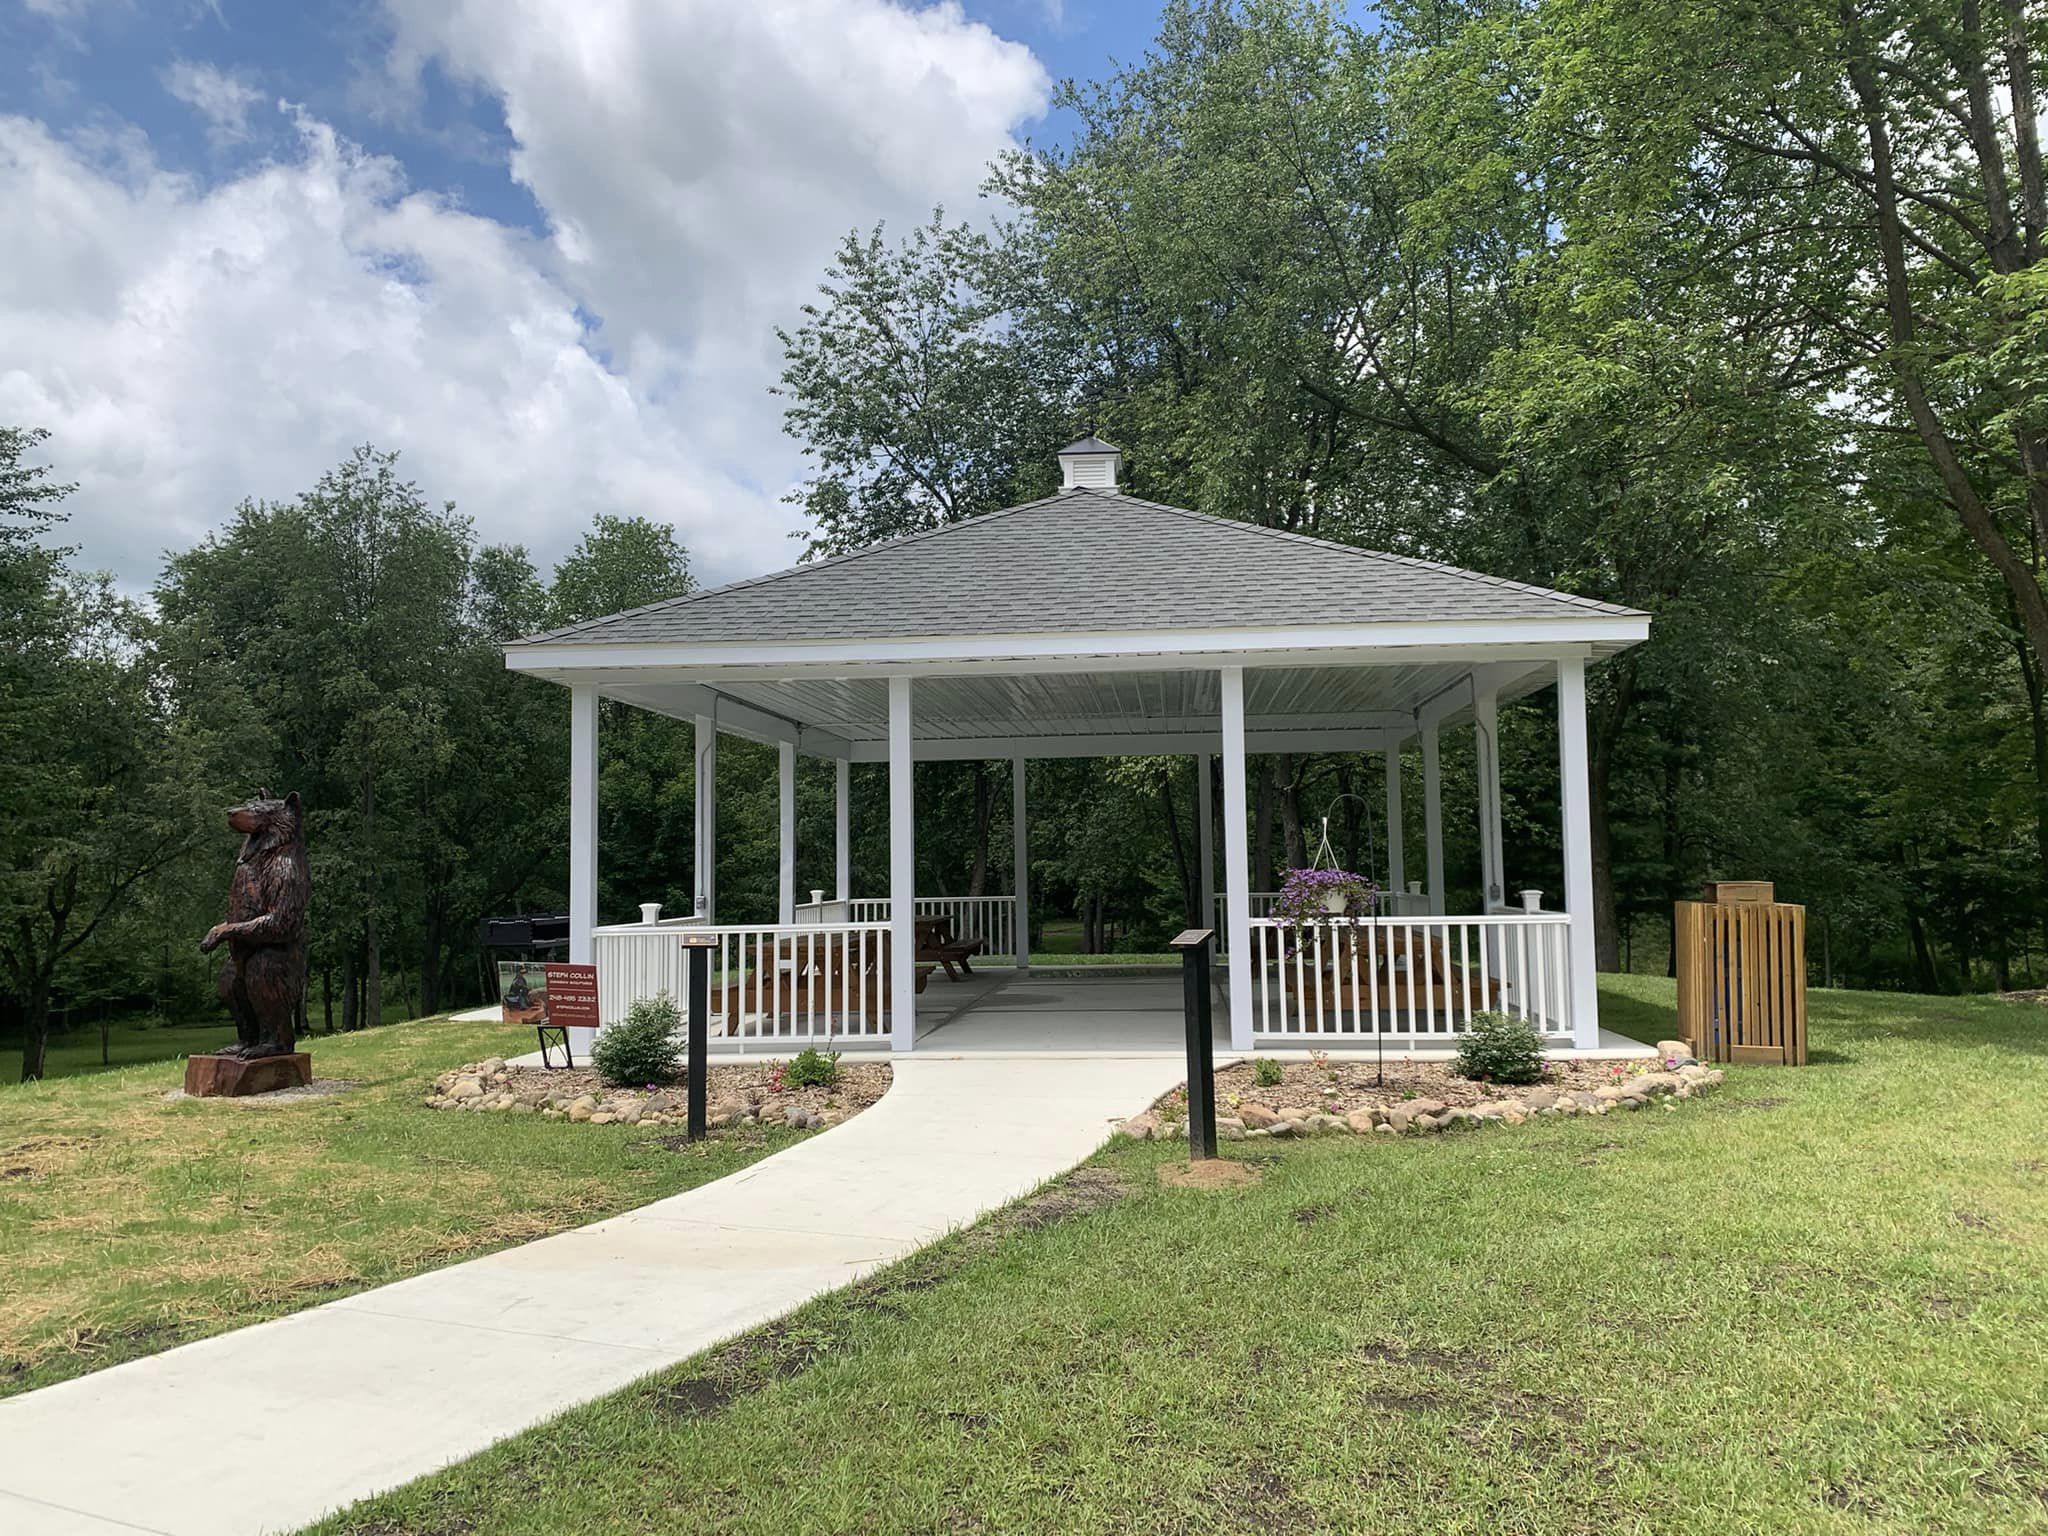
{"x":537,"y":245}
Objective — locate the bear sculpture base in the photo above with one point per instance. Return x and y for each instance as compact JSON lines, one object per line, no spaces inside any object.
{"x":230,"y":1077}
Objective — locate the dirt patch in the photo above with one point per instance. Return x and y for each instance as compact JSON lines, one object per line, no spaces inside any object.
{"x":1395,"y":1352}
{"x":1974,"y":1221}
{"x":319,"y":1088}
{"x":1310,"y":1215}
{"x":1255,"y":1497}
{"x":1083,"y":1190}
{"x":1209,"y":1173}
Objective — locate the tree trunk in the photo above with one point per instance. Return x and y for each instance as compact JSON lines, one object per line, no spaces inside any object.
{"x":1604,"y":727}
{"x":2037,"y":719}
{"x":348,"y":992}
{"x":35,"y":1031}
{"x":1261,"y":875}
{"x":984,"y":804}
{"x":373,"y":974}
{"x":1288,"y":786}
{"x":430,"y":955}
{"x":327,"y":999}
{"x":1674,"y":849}
{"x":1924,"y":971}
{"x":1190,"y":901}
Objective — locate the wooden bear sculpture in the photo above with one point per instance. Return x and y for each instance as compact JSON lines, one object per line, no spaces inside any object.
{"x":265,"y":974}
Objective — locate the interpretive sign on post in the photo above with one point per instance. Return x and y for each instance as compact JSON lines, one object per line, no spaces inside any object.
{"x":699,"y":947}
{"x":1201,"y":1039}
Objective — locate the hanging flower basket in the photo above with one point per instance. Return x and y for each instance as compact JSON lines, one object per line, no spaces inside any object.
{"x":1311,"y":896}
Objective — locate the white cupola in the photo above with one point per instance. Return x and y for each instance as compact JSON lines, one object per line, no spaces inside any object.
{"x":1090,"y":465}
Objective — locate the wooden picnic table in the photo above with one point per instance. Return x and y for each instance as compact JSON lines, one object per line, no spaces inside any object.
{"x":935,"y":943}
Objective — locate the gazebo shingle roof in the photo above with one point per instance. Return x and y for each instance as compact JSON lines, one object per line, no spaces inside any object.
{"x":1081,"y":561}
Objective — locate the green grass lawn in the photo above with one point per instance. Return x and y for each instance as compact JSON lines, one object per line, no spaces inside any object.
{"x":1816,"y":1301}
{"x":129,"y":1223}
{"x":128,"y":1042}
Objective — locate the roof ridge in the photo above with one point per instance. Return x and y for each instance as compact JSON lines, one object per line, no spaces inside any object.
{"x":684,"y":599}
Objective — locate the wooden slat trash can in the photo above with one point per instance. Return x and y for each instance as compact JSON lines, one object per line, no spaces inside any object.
{"x":1741,"y":965}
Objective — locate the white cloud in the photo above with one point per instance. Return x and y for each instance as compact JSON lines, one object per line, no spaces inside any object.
{"x":192,"y":344}
{"x":189,"y":348}
{"x":224,"y":100}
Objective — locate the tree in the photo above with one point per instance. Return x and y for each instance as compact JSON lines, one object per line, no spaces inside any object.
{"x":917,"y":397}
{"x":101,"y":792}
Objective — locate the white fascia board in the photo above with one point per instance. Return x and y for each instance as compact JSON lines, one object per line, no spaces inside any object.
{"x":1132,"y":744}
{"x":1156,"y":650}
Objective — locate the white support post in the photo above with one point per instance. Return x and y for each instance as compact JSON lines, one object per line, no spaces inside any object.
{"x":785,"y":780}
{"x":1493,"y":883}
{"x":1205,"y":838}
{"x":582,"y":834}
{"x":842,"y":829}
{"x":1578,"y":849}
{"x":902,"y":873}
{"x":1433,"y":818}
{"x":706,"y":783}
{"x":1397,"y":856}
{"x":1020,"y":860}
{"x":1237,"y":862}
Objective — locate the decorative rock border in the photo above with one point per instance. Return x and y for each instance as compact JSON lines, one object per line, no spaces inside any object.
{"x":750,"y":1093}
{"x":1631,"y":1086}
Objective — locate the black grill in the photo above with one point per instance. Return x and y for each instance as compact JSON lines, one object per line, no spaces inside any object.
{"x":526,"y":930}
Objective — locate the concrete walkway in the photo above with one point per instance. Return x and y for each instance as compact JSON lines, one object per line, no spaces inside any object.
{"x":270,"y":1427}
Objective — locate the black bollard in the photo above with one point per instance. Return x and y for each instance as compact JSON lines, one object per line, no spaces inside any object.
{"x":1194,"y":961}
{"x":700,"y":946}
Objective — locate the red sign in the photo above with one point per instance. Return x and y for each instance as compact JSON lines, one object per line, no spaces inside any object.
{"x":572,"y":995}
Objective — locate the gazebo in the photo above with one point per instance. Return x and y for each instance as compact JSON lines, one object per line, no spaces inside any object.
{"x":1088,"y":624}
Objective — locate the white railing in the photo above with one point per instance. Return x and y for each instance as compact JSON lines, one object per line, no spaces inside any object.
{"x":992,"y":919}
{"x":1409,"y":976}
{"x":809,"y":983}
{"x":1392,"y":904}
{"x":824,"y":912}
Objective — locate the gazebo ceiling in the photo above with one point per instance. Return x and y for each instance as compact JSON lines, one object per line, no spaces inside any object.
{"x":1087,"y":714}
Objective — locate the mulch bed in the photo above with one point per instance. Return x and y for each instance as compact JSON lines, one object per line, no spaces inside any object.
{"x":1337,"y":1087}
{"x":737,"y":1093}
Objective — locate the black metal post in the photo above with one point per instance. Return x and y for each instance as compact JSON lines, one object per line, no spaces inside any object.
{"x":700,"y":1028}
{"x":1194,"y":964}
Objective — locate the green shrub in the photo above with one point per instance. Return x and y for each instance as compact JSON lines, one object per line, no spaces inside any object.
{"x":1501,"y":1050}
{"x":810,"y":1068}
{"x":643,"y":1047}
{"x":1267,"y":1072}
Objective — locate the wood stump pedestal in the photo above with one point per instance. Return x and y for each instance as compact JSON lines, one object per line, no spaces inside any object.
{"x":230,"y":1077}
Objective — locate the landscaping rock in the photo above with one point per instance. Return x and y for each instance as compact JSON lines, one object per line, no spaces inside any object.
{"x":1142,"y":1127}
{"x":1363,"y":1121}
{"x":1539,"y":1099}
{"x":1281,"y":1127}
{"x":583,"y":1109}
{"x":1257,"y":1117}
{"x":1229,"y":1128}
{"x":466,"y":1088}
{"x":1679,"y":1049}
